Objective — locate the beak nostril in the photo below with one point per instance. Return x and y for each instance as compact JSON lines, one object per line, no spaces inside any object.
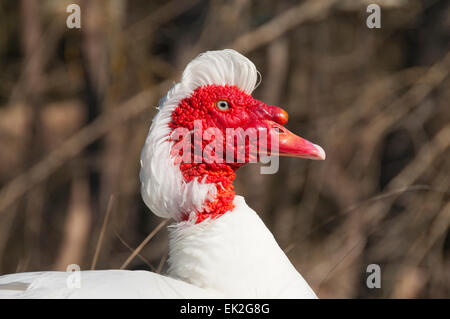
{"x":278,"y":130}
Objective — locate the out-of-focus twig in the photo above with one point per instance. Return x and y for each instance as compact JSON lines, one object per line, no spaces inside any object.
{"x":144,"y":242}
{"x":427,"y":154}
{"x":310,"y":10}
{"x":161,"y":15}
{"x":74,"y":145}
{"x":422,"y":87}
{"x":102,"y":232}
{"x":373,"y":199}
{"x":77,"y":225}
{"x":161,"y":263}
{"x":145,"y":260}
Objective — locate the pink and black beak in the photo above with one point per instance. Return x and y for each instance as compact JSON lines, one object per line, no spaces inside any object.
{"x":272,"y":118}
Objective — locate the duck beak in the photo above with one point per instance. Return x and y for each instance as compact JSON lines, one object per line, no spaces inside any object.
{"x":289,"y":144}
{"x":292,"y":145}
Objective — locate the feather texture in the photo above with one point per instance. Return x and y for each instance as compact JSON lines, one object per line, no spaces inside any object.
{"x":234,"y":256}
{"x":99,"y":284}
{"x":162,"y":186}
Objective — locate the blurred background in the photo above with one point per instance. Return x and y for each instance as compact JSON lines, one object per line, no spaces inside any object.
{"x":76,"y":105}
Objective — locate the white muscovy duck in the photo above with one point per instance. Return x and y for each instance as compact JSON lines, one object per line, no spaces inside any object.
{"x":219,"y":247}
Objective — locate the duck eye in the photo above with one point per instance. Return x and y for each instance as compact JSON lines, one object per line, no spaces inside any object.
{"x":222,"y":105}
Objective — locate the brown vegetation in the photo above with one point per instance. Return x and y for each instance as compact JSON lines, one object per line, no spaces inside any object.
{"x":76,"y":104}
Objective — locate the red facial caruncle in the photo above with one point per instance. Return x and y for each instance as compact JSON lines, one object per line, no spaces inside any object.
{"x":223,"y":108}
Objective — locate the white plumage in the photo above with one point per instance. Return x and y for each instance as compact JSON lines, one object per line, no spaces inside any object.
{"x":163,"y":189}
{"x":233,"y":256}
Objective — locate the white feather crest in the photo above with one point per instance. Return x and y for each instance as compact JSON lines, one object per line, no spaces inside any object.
{"x":163,"y":188}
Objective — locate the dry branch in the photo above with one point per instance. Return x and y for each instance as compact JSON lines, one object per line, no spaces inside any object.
{"x":74,"y":145}
{"x":144,"y":242}
{"x":311,"y":10}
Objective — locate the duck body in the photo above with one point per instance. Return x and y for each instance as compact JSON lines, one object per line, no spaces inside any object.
{"x":234,"y":256}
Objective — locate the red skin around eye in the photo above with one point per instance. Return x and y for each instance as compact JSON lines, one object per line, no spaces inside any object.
{"x":201,"y":106}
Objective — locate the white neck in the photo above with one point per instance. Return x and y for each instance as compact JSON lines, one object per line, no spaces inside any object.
{"x":235,"y":255}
